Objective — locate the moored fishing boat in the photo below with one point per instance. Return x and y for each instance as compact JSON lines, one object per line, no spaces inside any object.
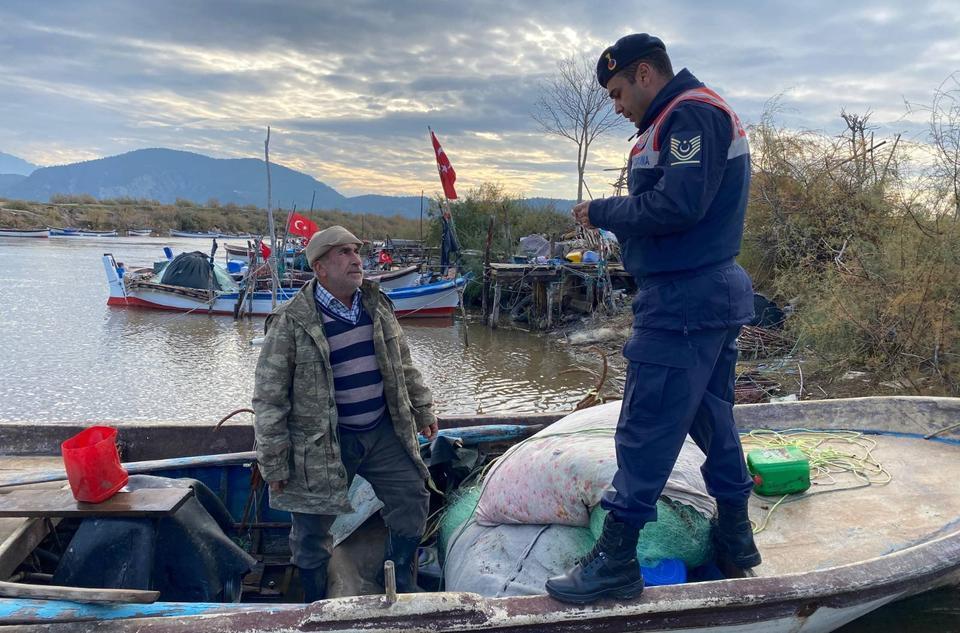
{"x":140,"y":232}
{"x":24,"y":233}
{"x":64,"y":232}
{"x":222,"y":295}
{"x":828,"y":558}
{"x":75,"y":232}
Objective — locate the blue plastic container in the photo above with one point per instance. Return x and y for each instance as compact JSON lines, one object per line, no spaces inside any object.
{"x":667,"y":572}
{"x":234,"y":266}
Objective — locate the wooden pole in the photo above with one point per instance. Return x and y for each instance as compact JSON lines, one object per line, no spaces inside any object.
{"x":486,"y":269}
{"x":270,"y":226}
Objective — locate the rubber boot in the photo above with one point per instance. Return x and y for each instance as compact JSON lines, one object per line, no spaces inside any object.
{"x":402,"y":550}
{"x":610,"y":569}
{"x":314,"y":583}
{"x":733,"y":540}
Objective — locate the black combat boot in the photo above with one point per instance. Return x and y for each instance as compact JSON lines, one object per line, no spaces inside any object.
{"x":733,"y":540}
{"x":402,"y":550}
{"x":610,"y":569}
{"x":314,"y":583}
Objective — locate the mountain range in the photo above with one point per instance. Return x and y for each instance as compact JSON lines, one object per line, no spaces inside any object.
{"x":11,"y":165}
{"x":166,"y":175}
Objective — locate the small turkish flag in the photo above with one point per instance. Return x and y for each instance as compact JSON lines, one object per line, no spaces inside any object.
{"x":447,"y":175}
{"x":302,"y":226}
{"x":264,"y":250}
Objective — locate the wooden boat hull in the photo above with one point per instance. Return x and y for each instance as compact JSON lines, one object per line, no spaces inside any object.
{"x":24,"y":233}
{"x":815,"y":601}
{"x":402,"y":278}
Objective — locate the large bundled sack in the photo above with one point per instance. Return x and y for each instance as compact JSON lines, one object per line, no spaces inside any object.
{"x":559,"y":474}
{"x":511,"y":560}
{"x":516,"y":560}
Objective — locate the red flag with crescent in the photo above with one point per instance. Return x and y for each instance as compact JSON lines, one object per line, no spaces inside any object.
{"x":447,"y":175}
{"x":302,"y":226}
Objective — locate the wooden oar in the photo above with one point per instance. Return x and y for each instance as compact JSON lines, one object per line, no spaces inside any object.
{"x":76,"y":594}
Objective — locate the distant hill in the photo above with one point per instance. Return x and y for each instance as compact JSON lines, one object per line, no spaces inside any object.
{"x":8,"y":180}
{"x":166,"y":175}
{"x":10,"y":164}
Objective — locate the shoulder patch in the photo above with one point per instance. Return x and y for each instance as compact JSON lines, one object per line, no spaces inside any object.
{"x":685,"y":148}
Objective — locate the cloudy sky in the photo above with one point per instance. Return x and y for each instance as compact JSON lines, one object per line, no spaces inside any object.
{"x":350,"y":87}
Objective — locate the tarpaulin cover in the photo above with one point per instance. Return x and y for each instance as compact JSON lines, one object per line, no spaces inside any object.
{"x":193,"y":270}
{"x":187,"y":557}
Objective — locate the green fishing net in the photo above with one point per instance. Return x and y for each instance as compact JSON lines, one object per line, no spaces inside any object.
{"x":679,"y":532}
{"x":459,"y":510}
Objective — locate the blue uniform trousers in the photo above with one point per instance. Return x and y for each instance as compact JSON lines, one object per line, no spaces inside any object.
{"x":677,"y":384}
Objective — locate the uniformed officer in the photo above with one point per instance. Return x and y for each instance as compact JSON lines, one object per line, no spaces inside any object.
{"x":680,"y":229}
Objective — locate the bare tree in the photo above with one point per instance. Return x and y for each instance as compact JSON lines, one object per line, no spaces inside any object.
{"x":573,"y":105}
{"x":944,"y":135}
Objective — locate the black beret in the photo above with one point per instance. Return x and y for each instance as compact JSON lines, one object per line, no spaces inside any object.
{"x":627,"y":50}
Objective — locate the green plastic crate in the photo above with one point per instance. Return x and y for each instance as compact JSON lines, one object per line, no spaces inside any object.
{"x":779,"y":471}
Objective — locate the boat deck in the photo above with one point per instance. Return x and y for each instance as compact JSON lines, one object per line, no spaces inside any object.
{"x":825,"y":527}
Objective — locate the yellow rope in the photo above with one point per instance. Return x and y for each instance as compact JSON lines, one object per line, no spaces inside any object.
{"x":830,"y":453}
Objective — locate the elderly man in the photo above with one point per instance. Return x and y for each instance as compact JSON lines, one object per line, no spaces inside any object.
{"x":680,"y":229}
{"x":337,"y":394}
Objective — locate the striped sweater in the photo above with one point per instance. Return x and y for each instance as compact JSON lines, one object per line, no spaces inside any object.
{"x":356,"y":376}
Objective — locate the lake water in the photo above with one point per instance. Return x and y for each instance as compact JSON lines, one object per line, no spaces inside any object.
{"x":67,"y":356}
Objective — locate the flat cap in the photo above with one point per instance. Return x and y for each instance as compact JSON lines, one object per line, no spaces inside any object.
{"x":627,"y":50}
{"x":322,"y":241}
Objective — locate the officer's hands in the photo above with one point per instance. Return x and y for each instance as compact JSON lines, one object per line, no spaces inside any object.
{"x":277,"y":486}
{"x":430,"y":432}
{"x":581,"y":214}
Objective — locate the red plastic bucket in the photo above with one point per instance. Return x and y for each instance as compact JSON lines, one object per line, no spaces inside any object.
{"x":93,"y":464}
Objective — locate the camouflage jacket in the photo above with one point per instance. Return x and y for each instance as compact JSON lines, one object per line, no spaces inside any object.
{"x":293,"y":397}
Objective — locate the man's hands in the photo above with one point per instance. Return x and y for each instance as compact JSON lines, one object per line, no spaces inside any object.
{"x":430,"y":432}
{"x":581,"y":214}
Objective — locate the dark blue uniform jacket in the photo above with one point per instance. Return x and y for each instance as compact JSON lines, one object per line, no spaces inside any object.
{"x":681,"y":225}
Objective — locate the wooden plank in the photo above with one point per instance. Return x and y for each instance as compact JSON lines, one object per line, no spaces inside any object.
{"x":77,"y":594}
{"x":16,"y":547}
{"x":150,"y":502}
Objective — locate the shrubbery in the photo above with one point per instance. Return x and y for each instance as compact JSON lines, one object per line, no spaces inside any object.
{"x":845,"y":232}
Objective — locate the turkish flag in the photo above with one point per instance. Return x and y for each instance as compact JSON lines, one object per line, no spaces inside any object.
{"x":299,"y":225}
{"x":264,"y":250}
{"x":447,"y":175}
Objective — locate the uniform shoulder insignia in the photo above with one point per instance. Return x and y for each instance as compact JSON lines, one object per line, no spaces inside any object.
{"x":685,"y":148}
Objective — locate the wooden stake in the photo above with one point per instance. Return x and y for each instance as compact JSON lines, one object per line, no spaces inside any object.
{"x":389,"y":582}
{"x":76,"y":594}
